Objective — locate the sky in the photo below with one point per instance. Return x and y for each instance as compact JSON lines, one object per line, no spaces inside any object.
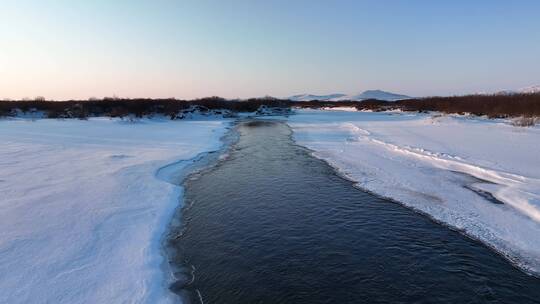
{"x":237,"y":49}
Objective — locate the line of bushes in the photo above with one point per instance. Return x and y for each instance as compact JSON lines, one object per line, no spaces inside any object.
{"x":121,"y":107}
{"x":495,"y":106}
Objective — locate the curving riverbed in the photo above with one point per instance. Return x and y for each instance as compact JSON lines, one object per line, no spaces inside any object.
{"x":271,"y":224}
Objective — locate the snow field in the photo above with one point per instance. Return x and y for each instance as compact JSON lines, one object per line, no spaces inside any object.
{"x":82,"y":211}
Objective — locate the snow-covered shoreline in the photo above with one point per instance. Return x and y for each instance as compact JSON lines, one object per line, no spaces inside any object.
{"x":85,"y":205}
{"x":83,"y":210}
{"x":454,"y":169}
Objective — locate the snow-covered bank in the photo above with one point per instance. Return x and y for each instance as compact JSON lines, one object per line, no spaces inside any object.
{"x":82,"y":212}
{"x":479,"y":176}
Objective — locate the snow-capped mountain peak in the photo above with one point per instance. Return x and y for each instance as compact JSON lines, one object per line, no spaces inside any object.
{"x":525,"y":90}
{"x":308,"y":97}
{"x":378,"y":94}
{"x":369,"y":94}
{"x":530,"y":90}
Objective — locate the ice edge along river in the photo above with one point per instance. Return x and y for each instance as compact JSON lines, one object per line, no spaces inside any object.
{"x":475,"y":175}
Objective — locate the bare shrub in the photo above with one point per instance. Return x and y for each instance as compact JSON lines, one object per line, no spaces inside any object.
{"x":525,"y":121}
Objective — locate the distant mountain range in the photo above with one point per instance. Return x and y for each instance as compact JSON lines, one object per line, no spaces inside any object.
{"x":308,"y":97}
{"x":388,"y":96}
{"x":369,"y":94}
{"x":526,"y":90}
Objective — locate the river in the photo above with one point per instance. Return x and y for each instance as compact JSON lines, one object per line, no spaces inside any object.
{"x":272,"y":224}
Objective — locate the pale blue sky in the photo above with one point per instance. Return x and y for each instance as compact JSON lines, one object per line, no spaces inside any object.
{"x":186,"y":49}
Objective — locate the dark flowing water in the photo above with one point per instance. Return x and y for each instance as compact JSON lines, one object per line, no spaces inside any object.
{"x":271,"y":224}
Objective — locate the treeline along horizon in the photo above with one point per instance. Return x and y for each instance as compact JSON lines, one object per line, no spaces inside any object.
{"x":494,"y":106}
